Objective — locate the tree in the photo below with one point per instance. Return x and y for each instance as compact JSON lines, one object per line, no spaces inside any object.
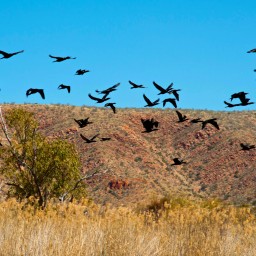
{"x":35,"y":166}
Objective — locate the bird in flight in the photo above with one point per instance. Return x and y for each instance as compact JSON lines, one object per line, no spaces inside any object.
{"x":110,"y":104}
{"x":181,"y":117}
{"x":83,"y":122}
{"x":161,"y":89}
{"x":32,"y":91}
{"x":171,"y":100}
{"x":80,"y":72}
{"x":99,"y":100}
{"x":149,"y":124}
{"x":210,"y":121}
{"x":134,"y":86}
{"x":230,"y":105}
{"x":177,"y":161}
{"x":60,"y":59}
{"x":149,"y":102}
{"x":253,"y":50}
{"x":89,"y":140}
{"x":9,"y":55}
{"x":62,"y":86}
{"x":246,"y":146}
{"x":108,"y":90}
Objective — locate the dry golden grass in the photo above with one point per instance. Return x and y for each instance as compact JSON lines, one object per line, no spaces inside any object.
{"x":181,"y":227}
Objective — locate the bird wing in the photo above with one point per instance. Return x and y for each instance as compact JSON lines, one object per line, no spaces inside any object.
{"x":84,"y":138}
{"x":94,"y":137}
{"x":161,"y":89}
{"x":169,"y":87}
{"x":179,"y":115}
{"x":215,"y":124}
{"x":133,"y":84}
{"x":113,"y":108}
{"x":176,"y":95}
{"x":147,"y":99}
{"x":176,"y":160}
{"x":3,"y":53}
{"x":54,"y":57}
{"x":173,"y":101}
{"x":42,"y":93}
{"x":68,"y":88}
{"x":93,"y":98}
{"x":228,"y":104}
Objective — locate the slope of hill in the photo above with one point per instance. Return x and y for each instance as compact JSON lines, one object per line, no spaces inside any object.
{"x":135,"y":165}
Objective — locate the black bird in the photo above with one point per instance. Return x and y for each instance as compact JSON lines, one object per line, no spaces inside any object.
{"x":99,"y":100}
{"x":108,"y":90}
{"x":246,"y":102}
{"x":181,"y":117}
{"x":134,"y":86}
{"x":246,"y":146}
{"x":89,"y":140}
{"x":240,"y":95}
{"x":110,"y":104}
{"x":80,"y":72}
{"x":149,"y":102}
{"x":253,"y":50}
{"x":195,"y":120}
{"x":62,"y":86}
{"x":149,"y":124}
{"x":32,"y":91}
{"x":9,"y":55}
{"x":175,"y":93}
{"x":83,"y":122}
{"x":178,"y":162}
{"x":171,"y":100}
{"x":105,"y":138}
{"x":210,"y":121}
{"x":60,"y":59}
{"x":161,"y":89}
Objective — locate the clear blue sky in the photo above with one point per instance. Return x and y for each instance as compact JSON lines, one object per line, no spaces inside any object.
{"x":198,"y":45}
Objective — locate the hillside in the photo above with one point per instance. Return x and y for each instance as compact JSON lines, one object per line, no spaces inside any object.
{"x":136,"y":165}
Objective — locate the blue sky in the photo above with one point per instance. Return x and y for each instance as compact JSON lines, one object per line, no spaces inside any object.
{"x":198,"y":45}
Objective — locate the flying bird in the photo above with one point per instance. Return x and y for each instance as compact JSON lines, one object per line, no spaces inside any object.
{"x":177,"y":161}
{"x":181,"y":117}
{"x":99,"y":100}
{"x":80,"y":72}
{"x":134,"y":86}
{"x":161,"y":89}
{"x":253,"y":50}
{"x":149,"y":102}
{"x":150,"y":124}
{"x":60,"y":59}
{"x":171,"y":100}
{"x":32,"y":91}
{"x":246,"y":146}
{"x":110,"y":104}
{"x":108,"y":90}
{"x":83,"y":122}
{"x":210,"y":121}
{"x":62,"y":86}
{"x":89,"y":140}
{"x":9,"y":55}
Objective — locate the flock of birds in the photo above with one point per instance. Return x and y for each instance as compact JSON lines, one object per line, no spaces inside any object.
{"x":149,"y":125}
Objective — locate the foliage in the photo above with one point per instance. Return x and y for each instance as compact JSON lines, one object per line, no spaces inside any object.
{"x":35,"y":166}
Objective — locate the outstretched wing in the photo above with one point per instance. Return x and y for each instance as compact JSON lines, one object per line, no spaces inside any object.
{"x":93,"y":98}
{"x":4,"y":53}
{"x":41,"y":93}
{"x":133,"y":84}
{"x":147,"y":99}
{"x":176,"y":95}
{"x":169,"y":87}
{"x":84,"y":138}
{"x":179,"y":115}
{"x":160,"y":88}
{"x":94,"y":136}
{"x":54,"y":57}
{"x":215,"y":124}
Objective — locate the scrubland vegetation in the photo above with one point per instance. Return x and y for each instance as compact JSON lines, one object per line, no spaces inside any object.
{"x":169,"y":227}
